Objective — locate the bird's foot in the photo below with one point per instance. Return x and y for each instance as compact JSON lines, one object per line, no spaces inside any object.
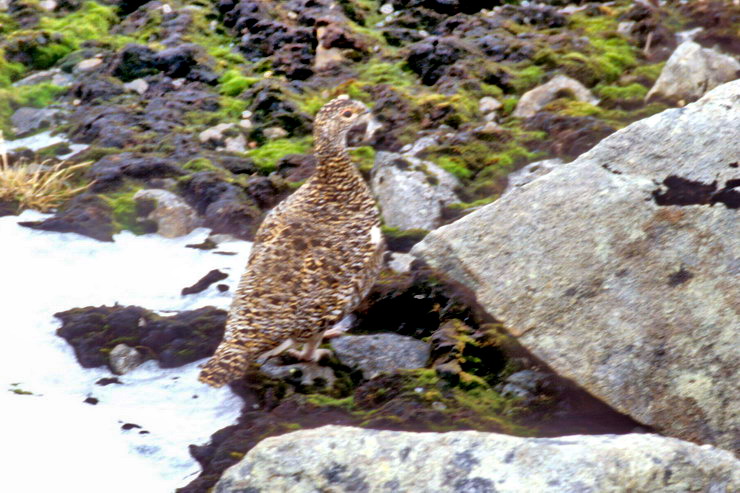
{"x":309,"y":353}
{"x":335,"y":332}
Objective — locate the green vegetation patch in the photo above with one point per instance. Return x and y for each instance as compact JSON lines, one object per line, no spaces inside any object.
{"x":37,"y":96}
{"x":267,"y":155}
{"x":125,"y":216}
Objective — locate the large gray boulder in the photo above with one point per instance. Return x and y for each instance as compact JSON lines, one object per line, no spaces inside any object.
{"x":341,"y":459}
{"x":411,"y":192}
{"x":691,"y":71}
{"x":375,"y":354}
{"x":621,"y":270}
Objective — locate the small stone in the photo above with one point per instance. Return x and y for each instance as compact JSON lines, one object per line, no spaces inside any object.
{"x":48,"y":5}
{"x":273,"y":133}
{"x":88,"y":65}
{"x":401,"y":262}
{"x":386,"y":9}
{"x":55,"y":76}
{"x":683,"y":36}
{"x":487,"y":104}
{"x":215,"y":133}
{"x":377,"y":354}
{"x":489,"y":128}
{"x":137,"y":85}
{"x":534,"y":100}
{"x":625,"y":27}
{"x":246,"y":114}
{"x":236,"y":144}
{"x":123,"y":359}
{"x":246,"y":124}
{"x":174,"y":217}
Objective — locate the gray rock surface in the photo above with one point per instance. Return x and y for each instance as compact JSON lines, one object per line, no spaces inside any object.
{"x":174,"y":217}
{"x":54,"y":75}
{"x":691,"y":71}
{"x":27,"y":120}
{"x":531,"y":172}
{"x":598,"y":275}
{"x":410,"y":192}
{"x":123,"y":359}
{"x":343,"y":459}
{"x":381,"y":353}
{"x":305,"y":373}
{"x":534,"y":100}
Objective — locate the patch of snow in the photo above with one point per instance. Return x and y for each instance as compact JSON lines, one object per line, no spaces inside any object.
{"x":55,"y":439}
{"x":35,"y":142}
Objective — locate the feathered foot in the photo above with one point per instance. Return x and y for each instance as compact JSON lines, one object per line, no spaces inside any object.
{"x":310,"y":351}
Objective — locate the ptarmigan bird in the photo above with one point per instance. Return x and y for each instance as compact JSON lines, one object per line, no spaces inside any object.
{"x":314,"y":257}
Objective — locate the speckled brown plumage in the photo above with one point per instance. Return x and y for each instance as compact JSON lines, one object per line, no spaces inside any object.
{"x":314,"y":257}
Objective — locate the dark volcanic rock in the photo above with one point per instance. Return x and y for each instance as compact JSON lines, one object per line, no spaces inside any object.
{"x":111,"y":169}
{"x":213,"y":276}
{"x":134,"y":61}
{"x":178,"y":61}
{"x":85,"y":214}
{"x":294,"y":60}
{"x":173,"y":341}
{"x":272,"y":107}
{"x":430,"y":57}
{"x":296,"y":167}
{"x":224,"y":206}
{"x":94,"y":87}
{"x":570,"y":136}
{"x":106,"y":126}
{"x":448,"y":6}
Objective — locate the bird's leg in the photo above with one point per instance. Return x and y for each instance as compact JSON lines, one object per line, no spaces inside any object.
{"x":310,"y":351}
{"x":287,"y":344}
{"x":334,"y":332}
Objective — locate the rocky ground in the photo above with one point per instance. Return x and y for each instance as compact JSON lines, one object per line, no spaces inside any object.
{"x":199,"y":114}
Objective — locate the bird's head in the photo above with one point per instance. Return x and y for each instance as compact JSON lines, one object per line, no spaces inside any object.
{"x":337,"y":117}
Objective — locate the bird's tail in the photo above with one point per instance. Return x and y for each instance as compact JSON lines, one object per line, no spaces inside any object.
{"x":224,"y":367}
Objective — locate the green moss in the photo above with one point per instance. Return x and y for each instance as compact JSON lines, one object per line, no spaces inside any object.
{"x":509,"y":105}
{"x":454,"y":165}
{"x":395,"y":74}
{"x":526,"y":77}
{"x":37,"y":96}
{"x":64,"y":35}
{"x":650,"y":72}
{"x":472,"y":396}
{"x":608,"y":56}
{"x":233,"y":82}
{"x":200,"y":164}
{"x":323,"y":400}
{"x":123,"y":207}
{"x":611,"y":93}
{"x":9,"y":71}
{"x":266,"y":156}
{"x":364,"y":158}
{"x":91,"y":21}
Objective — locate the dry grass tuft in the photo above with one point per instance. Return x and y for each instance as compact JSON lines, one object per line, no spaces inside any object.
{"x":40,"y":186}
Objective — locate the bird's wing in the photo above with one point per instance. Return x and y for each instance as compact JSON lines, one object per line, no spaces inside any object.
{"x":307,"y":269}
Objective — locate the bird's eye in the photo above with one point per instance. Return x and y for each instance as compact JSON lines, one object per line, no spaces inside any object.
{"x":347,"y":114}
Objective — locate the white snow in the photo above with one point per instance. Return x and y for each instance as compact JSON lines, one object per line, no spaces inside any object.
{"x":51,"y":439}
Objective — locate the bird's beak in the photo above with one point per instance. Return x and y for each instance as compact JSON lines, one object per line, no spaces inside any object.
{"x":372,"y":125}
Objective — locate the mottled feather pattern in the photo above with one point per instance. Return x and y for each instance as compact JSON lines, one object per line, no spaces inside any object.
{"x":314,"y":257}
